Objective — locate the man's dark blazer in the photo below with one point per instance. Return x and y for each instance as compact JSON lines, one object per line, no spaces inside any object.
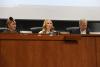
{"x":77,"y":31}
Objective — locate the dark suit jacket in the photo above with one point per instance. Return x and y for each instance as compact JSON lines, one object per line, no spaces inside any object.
{"x":77,"y":31}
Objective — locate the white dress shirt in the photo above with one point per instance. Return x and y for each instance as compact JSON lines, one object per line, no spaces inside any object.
{"x":83,"y":32}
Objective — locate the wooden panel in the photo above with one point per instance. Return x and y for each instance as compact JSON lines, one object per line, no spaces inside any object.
{"x":30,"y":53}
{"x":98,"y":50}
{"x":88,"y":52}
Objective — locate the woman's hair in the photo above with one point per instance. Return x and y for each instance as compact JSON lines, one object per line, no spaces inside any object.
{"x":10,"y":20}
{"x":45,"y":22}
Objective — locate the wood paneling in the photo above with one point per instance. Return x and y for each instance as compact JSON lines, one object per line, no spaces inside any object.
{"x":98,"y":51}
{"x":57,"y":52}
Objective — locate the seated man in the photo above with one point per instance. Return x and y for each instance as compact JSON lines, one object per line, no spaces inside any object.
{"x":82,"y":28}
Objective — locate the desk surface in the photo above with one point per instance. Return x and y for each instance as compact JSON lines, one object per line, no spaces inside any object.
{"x":39,"y":37}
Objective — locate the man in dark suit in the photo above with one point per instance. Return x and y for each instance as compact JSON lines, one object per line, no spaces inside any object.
{"x":82,"y":28}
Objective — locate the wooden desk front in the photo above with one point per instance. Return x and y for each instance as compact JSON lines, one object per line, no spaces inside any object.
{"x":28,"y":50}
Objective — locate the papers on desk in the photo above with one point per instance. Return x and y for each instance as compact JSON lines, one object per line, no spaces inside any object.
{"x":94,"y":32}
{"x":64,"y":33}
{"x":26,"y":32}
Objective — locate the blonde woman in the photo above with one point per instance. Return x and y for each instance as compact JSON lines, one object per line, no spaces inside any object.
{"x":47,"y":27}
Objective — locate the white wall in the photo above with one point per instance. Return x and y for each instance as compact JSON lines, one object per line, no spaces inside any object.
{"x":51,"y":12}
{"x":50,"y":9}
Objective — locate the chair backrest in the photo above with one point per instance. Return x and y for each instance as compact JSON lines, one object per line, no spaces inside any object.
{"x":69,"y":29}
{"x":36,"y":29}
{"x":2,"y":29}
